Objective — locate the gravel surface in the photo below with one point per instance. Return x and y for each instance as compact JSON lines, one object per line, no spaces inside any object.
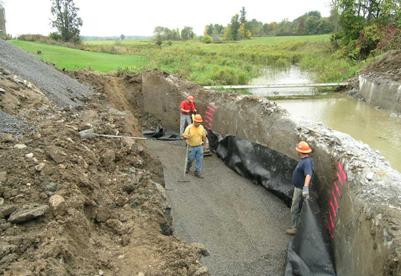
{"x":11,"y":124}
{"x":60,"y":88}
{"x":241,"y":224}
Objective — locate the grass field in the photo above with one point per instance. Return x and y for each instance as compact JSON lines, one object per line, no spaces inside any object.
{"x":74,"y":59}
{"x":206,"y":64}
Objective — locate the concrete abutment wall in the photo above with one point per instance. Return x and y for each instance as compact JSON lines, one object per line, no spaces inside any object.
{"x":383,"y":93}
{"x":359,"y":193}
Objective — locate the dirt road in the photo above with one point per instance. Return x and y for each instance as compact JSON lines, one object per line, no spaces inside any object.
{"x":241,"y":224}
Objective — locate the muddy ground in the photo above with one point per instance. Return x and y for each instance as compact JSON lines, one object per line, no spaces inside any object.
{"x":70,"y":206}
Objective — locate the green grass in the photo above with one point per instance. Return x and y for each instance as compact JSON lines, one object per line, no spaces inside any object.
{"x":74,"y":59}
{"x":205,"y":64}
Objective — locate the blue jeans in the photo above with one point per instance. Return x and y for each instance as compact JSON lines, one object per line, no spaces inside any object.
{"x":184,"y":120}
{"x":195,"y":153}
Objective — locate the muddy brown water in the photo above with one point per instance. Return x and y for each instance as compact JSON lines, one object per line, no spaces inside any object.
{"x":380,"y":129}
{"x":290,"y":75}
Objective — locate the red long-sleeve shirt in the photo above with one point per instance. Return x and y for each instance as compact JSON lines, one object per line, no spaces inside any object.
{"x":187,"y":106}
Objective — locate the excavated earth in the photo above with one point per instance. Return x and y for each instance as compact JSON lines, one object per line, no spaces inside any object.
{"x":388,"y":67}
{"x":70,"y":206}
{"x":74,"y":206}
{"x":240,"y":225}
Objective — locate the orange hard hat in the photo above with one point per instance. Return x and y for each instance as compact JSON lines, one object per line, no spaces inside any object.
{"x":190,"y":98}
{"x":198,"y":118}
{"x":303,"y":147}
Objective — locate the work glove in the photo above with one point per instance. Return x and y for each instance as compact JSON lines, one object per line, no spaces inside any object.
{"x":305,"y":192}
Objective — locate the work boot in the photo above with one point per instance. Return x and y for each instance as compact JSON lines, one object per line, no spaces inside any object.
{"x":198,"y":175}
{"x":291,"y":231}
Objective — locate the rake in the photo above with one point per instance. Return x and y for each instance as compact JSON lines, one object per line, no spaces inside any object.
{"x":184,"y":179}
{"x":90,"y":134}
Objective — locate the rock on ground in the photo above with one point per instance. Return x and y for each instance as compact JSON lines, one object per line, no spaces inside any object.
{"x":107,"y":208}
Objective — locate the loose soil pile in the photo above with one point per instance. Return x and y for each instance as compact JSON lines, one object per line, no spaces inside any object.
{"x":389,"y":66}
{"x":83,"y":207}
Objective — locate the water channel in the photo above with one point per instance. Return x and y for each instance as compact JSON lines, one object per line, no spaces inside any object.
{"x":289,"y":75}
{"x":380,"y":129}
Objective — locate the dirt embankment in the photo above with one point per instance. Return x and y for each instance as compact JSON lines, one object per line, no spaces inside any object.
{"x":388,"y":66}
{"x":83,"y":207}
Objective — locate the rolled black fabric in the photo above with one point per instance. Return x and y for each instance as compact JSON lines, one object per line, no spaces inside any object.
{"x":214,"y":139}
{"x":309,"y":251}
{"x":161,"y":134}
{"x":260,"y":164}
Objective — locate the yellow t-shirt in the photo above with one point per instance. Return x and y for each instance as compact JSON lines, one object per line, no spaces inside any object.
{"x":195,"y":135}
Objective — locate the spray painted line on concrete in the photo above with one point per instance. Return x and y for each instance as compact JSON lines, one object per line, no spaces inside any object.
{"x":210,"y":111}
{"x":336,"y":194}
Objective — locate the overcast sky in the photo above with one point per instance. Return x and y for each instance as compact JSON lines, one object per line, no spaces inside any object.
{"x":133,"y":17}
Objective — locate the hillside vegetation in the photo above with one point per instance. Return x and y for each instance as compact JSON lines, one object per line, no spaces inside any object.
{"x":205,"y":64}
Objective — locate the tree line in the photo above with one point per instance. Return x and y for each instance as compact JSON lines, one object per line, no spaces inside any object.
{"x":359,"y":27}
{"x":240,"y":28}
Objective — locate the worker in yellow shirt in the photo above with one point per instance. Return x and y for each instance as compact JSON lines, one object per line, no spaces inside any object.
{"x":195,"y":136}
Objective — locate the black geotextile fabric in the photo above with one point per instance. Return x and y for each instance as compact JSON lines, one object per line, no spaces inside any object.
{"x":261,"y":165}
{"x":309,"y":251}
{"x":161,"y":133}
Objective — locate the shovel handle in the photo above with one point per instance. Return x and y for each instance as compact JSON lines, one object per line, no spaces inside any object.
{"x":118,"y":136}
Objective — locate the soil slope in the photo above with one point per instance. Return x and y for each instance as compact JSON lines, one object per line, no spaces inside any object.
{"x":388,"y":66}
{"x":70,"y":206}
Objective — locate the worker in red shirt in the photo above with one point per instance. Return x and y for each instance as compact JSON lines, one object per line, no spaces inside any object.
{"x":187,"y":108}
